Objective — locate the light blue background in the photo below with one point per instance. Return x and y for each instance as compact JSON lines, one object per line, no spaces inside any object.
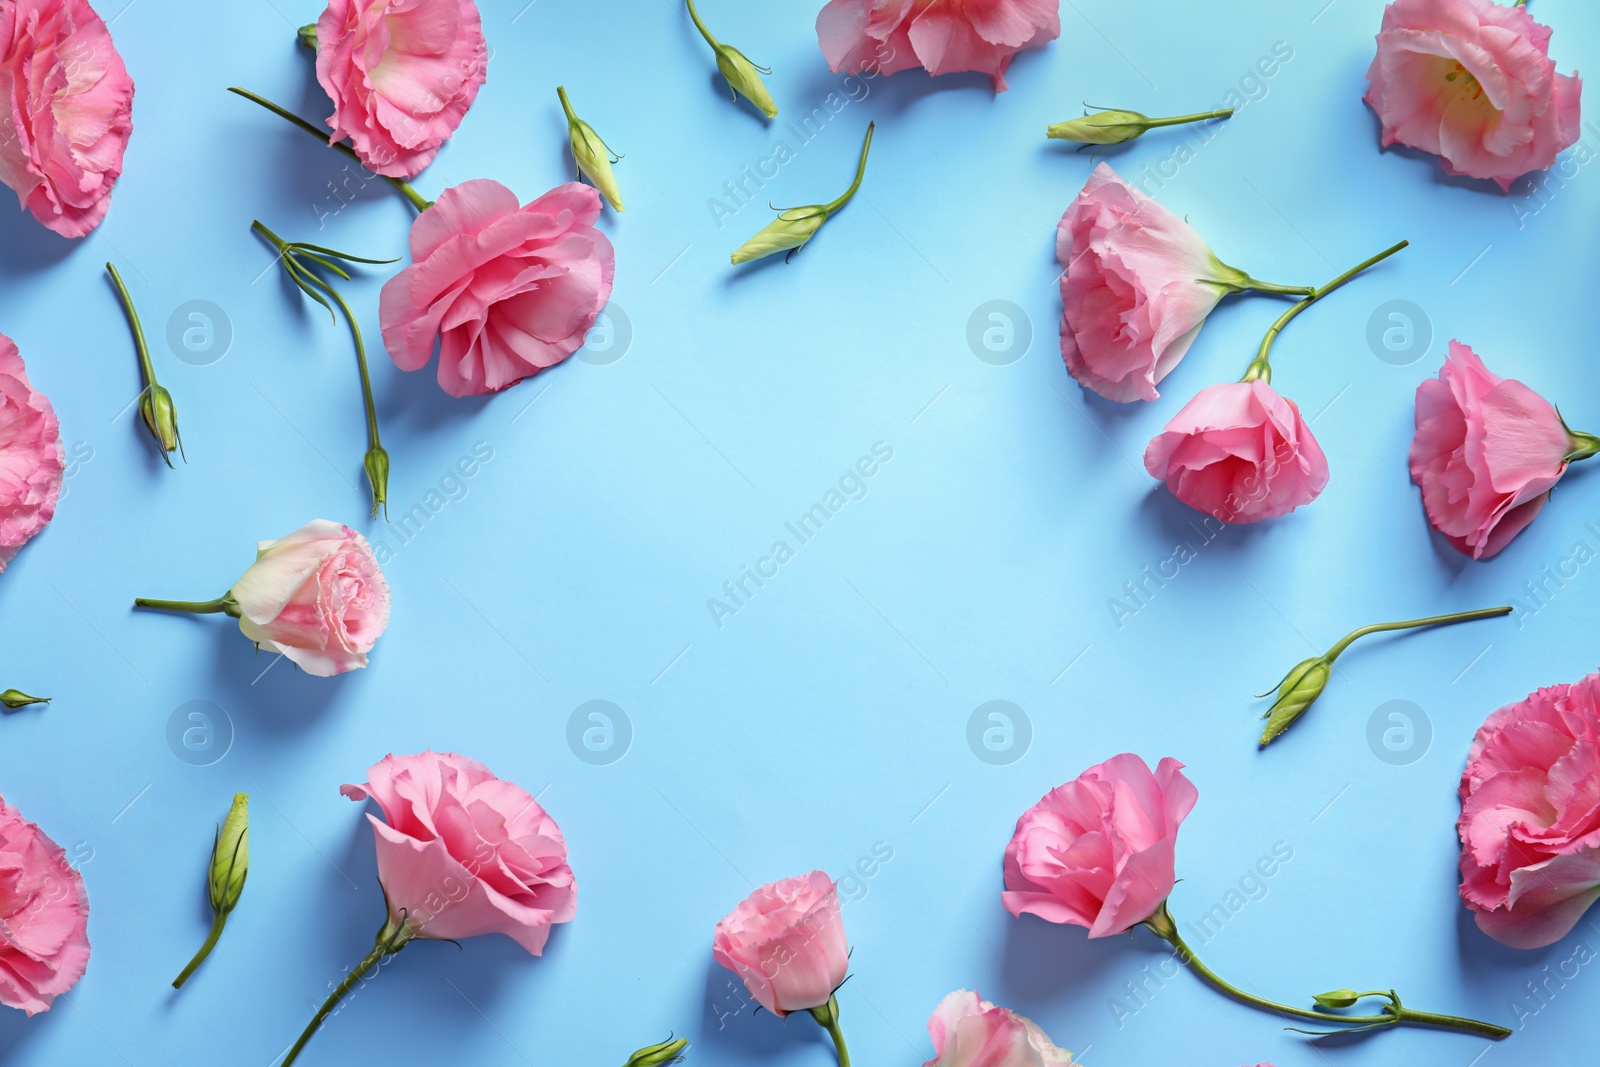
{"x":830,"y":713}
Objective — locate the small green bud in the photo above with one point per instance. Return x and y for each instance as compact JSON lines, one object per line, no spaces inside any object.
{"x":377,"y":465}
{"x":658,"y":1055}
{"x":1298,"y":691}
{"x":745,"y":78}
{"x":308,"y":36}
{"x":16,"y":698}
{"x":1338,"y":998}
{"x":1105,"y":127}
{"x":230,"y":857}
{"x":790,"y":230}
{"x":591,"y":154}
{"x":161,"y":417}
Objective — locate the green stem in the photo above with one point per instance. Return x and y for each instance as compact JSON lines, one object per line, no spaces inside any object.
{"x":223,"y":605}
{"x":566,"y":105}
{"x":145,"y":365}
{"x":1259,"y":368}
{"x":418,"y":201}
{"x":1179,"y":120}
{"x":390,"y":939}
{"x":1412,"y":624}
{"x":1162,"y":925}
{"x":861,"y":169}
{"x":701,"y":26}
{"x":217,"y":923}
{"x":827,"y":1017}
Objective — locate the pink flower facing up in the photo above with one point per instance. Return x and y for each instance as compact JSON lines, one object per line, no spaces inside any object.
{"x":315,"y":596}
{"x":1240,"y":452}
{"x":44,"y":917}
{"x":460,"y":853}
{"x":1137,"y":283}
{"x":1472,"y":81}
{"x":786,"y":943}
{"x":1486,"y":453}
{"x":501,"y":289}
{"x":66,"y":111}
{"x":941,"y":36}
{"x":1530,"y":816}
{"x":968,"y":1031}
{"x":32,"y":460}
{"x":1100,"y":852}
{"x":401,"y":74}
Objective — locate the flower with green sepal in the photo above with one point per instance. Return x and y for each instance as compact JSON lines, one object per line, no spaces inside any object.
{"x":230,"y":865}
{"x":659,"y":1055}
{"x":591,"y":153}
{"x":1113,"y":126}
{"x":796,"y":225}
{"x":16,"y":698}
{"x":744,"y":77}
{"x":156,"y":408}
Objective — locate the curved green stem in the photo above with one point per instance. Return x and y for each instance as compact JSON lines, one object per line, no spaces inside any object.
{"x":566,"y":105}
{"x":390,"y":939}
{"x":1259,"y":368}
{"x":861,"y":169}
{"x":1412,"y":624}
{"x":1162,"y":925}
{"x":217,"y":923}
{"x":223,"y":605}
{"x":145,"y":365}
{"x":418,"y":201}
{"x":701,"y":26}
{"x":827,"y":1017}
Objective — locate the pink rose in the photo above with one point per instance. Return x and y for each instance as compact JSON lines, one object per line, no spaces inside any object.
{"x":786,"y":941}
{"x":316,"y":596}
{"x":1486,"y":454}
{"x":31,"y":457}
{"x":1137,"y":283}
{"x":943,"y":36}
{"x":463,"y":853}
{"x":968,"y":1031}
{"x":66,"y":111}
{"x":44,"y":917}
{"x":1530,"y":816}
{"x":401,"y":74}
{"x":1472,"y":81}
{"x":1099,"y":852}
{"x":504,"y":290}
{"x":1239,"y":452}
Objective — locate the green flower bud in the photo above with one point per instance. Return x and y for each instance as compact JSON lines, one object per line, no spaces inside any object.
{"x":658,"y":1055}
{"x":1338,"y":998}
{"x":591,"y":154}
{"x":1106,"y":127}
{"x":16,"y":698}
{"x":377,"y":465}
{"x":744,"y":77}
{"x":161,"y":417}
{"x":230,"y":857}
{"x":1298,"y":691}
{"x":308,"y":36}
{"x":790,"y":230}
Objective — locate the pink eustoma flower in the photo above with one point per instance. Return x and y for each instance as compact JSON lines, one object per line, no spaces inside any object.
{"x":1486,"y":454}
{"x":1472,"y":81}
{"x":66,"y":111}
{"x":1099,"y":852}
{"x":1530,"y":816}
{"x":786,"y":942}
{"x":1239,"y":452}
{"x":44,"y":917}
{"x":501,"y":289}
{"x":941,"y":36}
{"x":968,"y":1031}
{"x":463,"y":853}
{"x":32,"y":460}
{"x":401,"y":74}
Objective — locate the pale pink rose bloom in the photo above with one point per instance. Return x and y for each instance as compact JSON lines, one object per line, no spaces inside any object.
{"x":503,"y":290}
{"x":1239,"y":452}
{"x":786,"y":941}
{"x":44,"y":917}
{"x":66,"y":111}
{"x":401,"y":74}
{"x":32,"y":460}
{"x":1472,"y":81}
{"x":968,"y":1031}
{"x":1099,"y":852}
{"x":1137,"y":283}
{"x":317,"y":596}
{"x":942,"y":36}
{"x":1530,"y":816}
{"x":1486,"y":454}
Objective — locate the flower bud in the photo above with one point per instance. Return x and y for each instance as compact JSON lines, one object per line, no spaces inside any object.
{"x":308,"y":36}
{"x":377,"y":465}
{"x":161,"y":416}
{"x":658,"y":1055}
{"x":790,"y":230}
{"x":745,"y":78}
{"x":1338,"y":998}
{"x":230,"y":857}
{"x":1298,"y":691}
{"x":1105,"y":127}
{"x":16,"y":698}
{"x":592,"y":155}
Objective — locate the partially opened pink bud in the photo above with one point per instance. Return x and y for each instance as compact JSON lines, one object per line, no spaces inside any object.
{"x":786,"y":941}
{"x":968,"y":1031}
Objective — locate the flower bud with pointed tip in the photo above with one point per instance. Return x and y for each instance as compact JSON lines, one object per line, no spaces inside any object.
{"x":377,"y":465}
{"x":790,"y":230}
{"x":160,"y":414}
{"x":1298,"y":691}
{"x":745,"y":79}
{"x":308,"y":36}
{"x":592,"y":155}
{"x":230,"y":857}
{"x":1105,"y":127}
{"x":658,"y":1055}
{"x":16,"y":698}
{"x":1338,"y":998}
